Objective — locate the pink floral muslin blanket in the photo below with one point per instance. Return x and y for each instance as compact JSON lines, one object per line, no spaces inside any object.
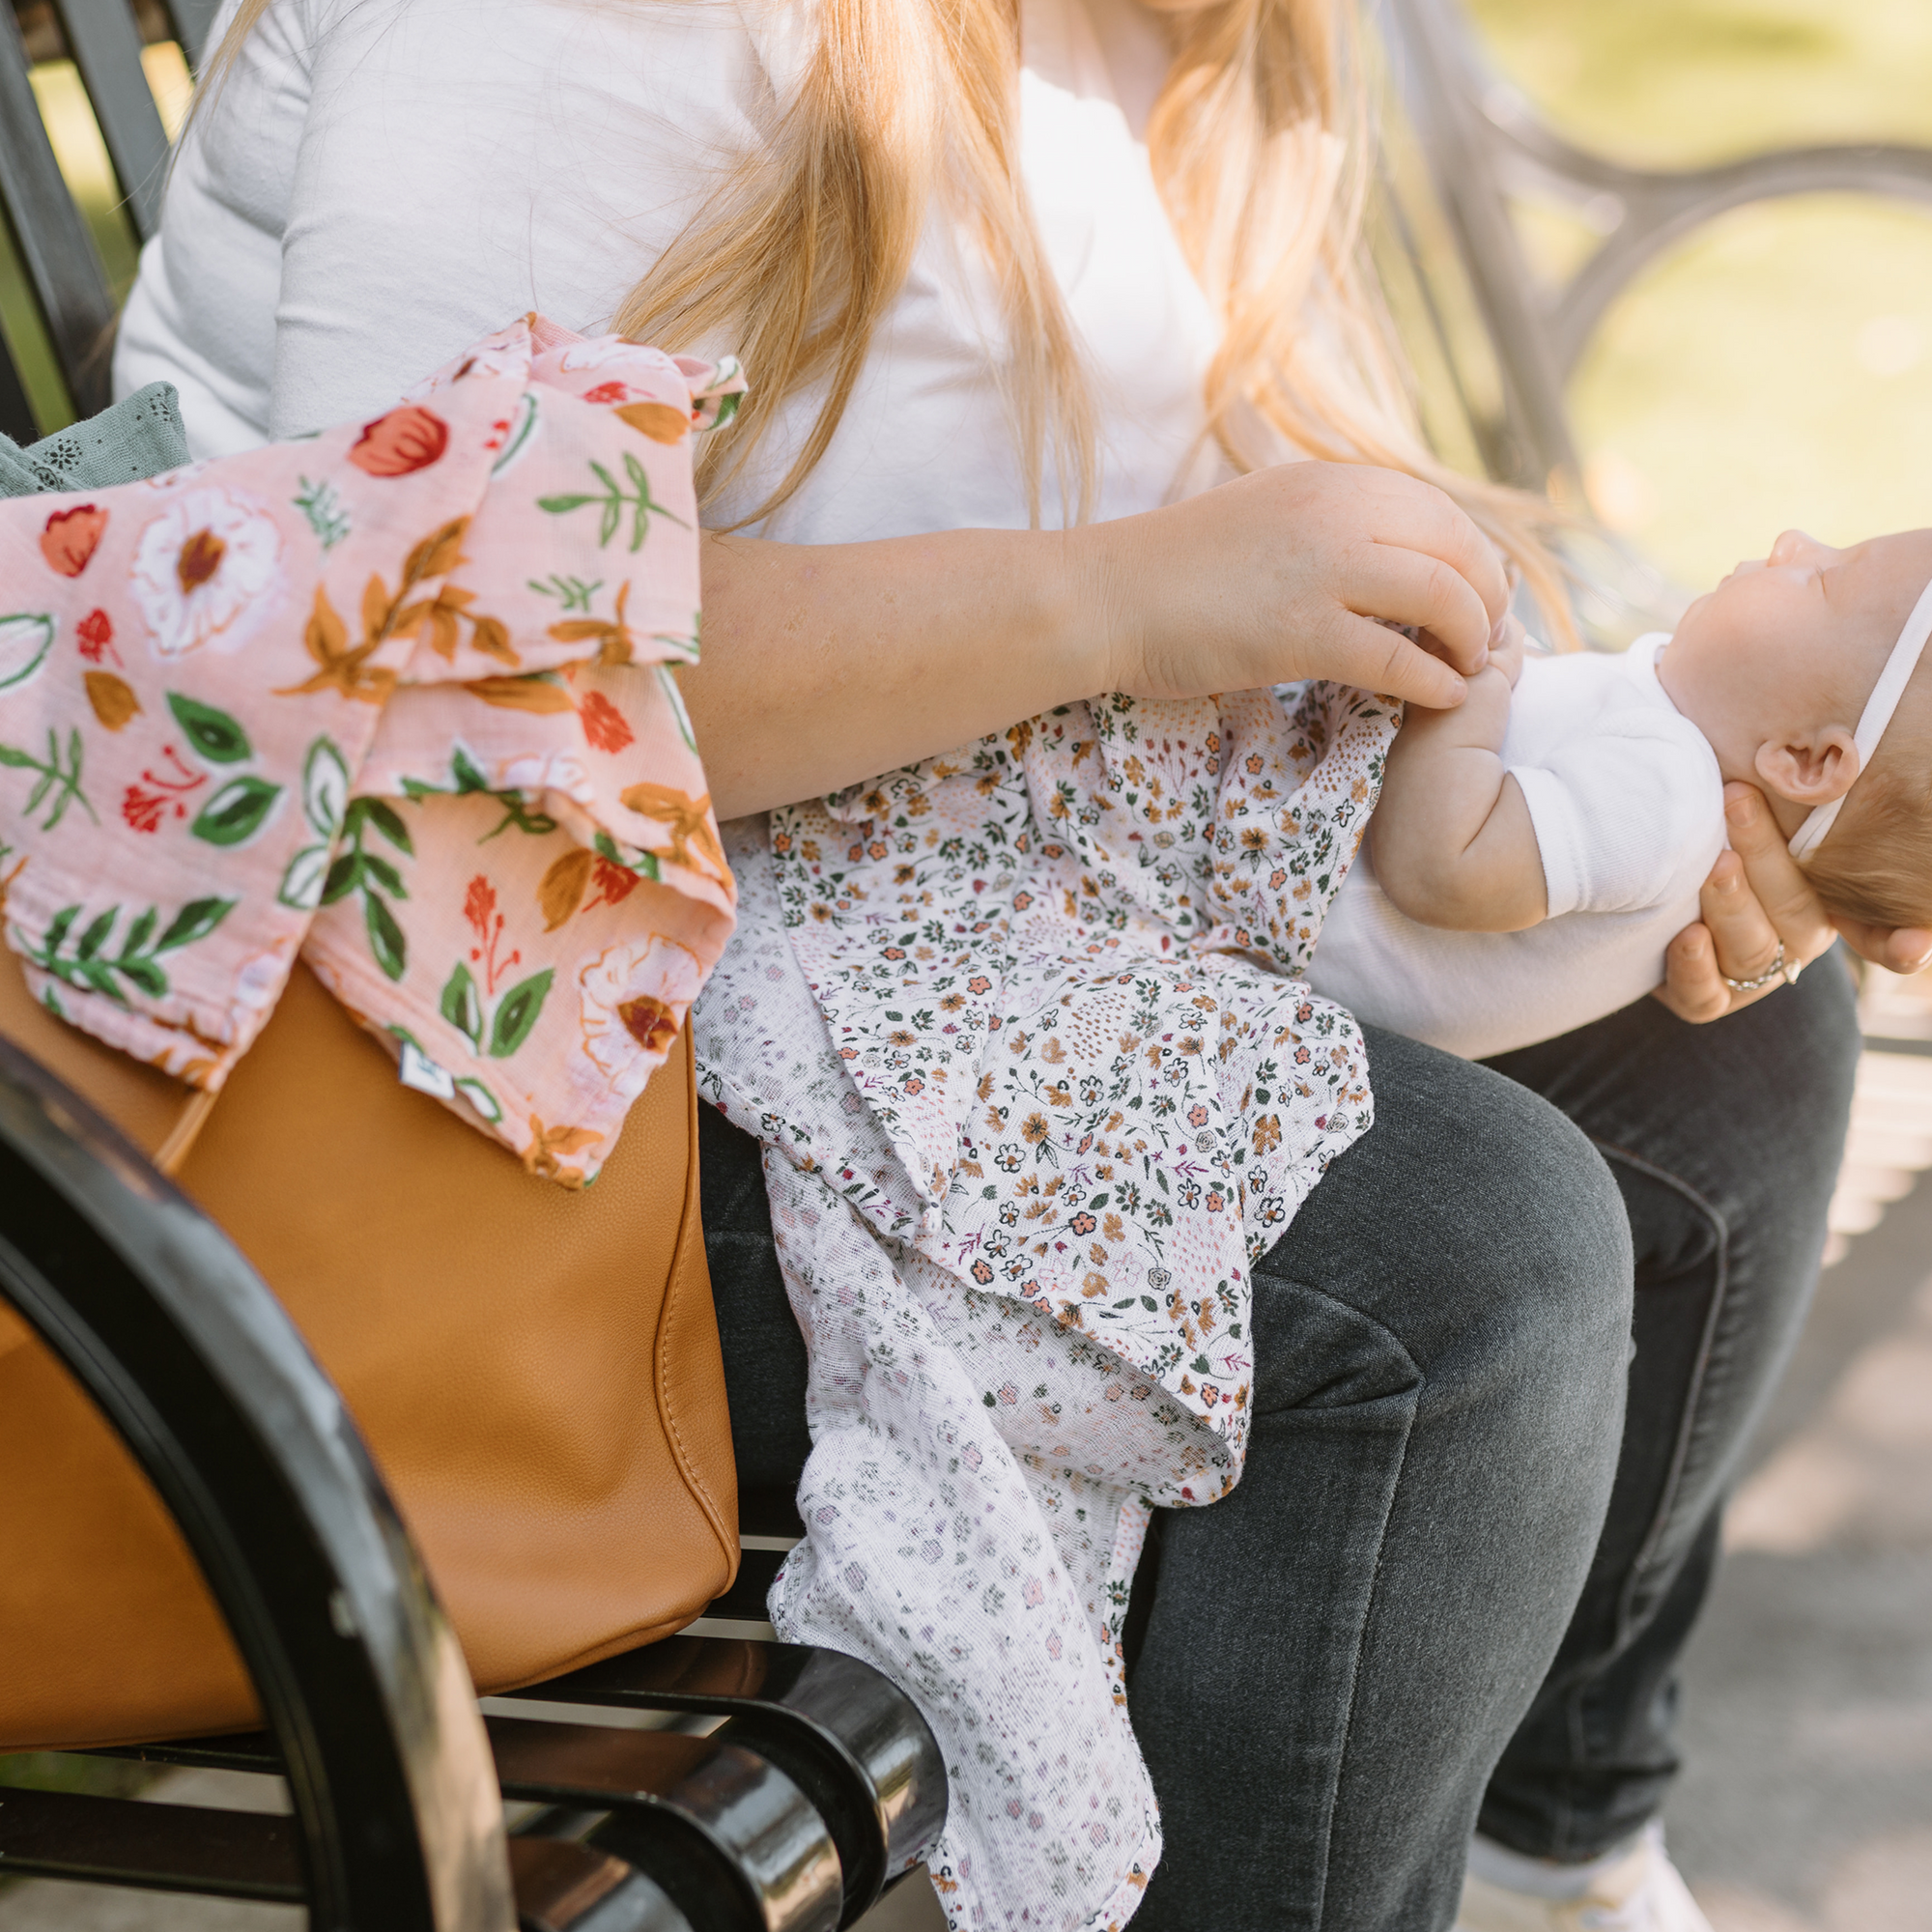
{"x":397,"y":699}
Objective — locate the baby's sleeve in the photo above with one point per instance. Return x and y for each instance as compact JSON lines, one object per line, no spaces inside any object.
{"x":1627,"y":816}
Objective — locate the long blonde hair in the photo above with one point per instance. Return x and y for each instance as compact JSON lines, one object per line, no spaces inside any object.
{"x":1260,"y":142}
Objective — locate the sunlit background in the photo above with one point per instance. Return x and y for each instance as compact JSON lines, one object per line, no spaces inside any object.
{"x":1777,"y":368}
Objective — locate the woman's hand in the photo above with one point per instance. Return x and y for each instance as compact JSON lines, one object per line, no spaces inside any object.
{"x":1281,"y":575}
{"x":1756,"y":898}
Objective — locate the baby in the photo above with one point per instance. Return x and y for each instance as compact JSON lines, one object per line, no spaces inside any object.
{"x":1534,"y":851}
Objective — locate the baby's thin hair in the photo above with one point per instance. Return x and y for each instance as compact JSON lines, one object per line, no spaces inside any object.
{"x":1876,"y":864}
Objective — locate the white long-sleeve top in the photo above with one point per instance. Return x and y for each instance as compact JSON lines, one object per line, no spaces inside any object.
{"x":381,"y":181}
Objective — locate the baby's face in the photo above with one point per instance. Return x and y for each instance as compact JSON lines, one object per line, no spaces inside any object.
{"x":1810,"y":625}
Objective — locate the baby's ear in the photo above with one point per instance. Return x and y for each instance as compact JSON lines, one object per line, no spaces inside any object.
{"x":1812,"y":770}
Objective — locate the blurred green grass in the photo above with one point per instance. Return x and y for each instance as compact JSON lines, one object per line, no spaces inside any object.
{"x":1776,"y":367}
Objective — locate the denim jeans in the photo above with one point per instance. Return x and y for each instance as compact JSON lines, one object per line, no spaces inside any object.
{"x":1451,"y":1577}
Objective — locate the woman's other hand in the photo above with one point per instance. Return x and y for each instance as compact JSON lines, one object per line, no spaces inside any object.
{"x":1757,"y":898}
{"x":1282,"y":574}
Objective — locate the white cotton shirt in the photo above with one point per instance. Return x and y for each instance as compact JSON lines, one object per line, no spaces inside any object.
{"x":1628,"y":804}
{"x":382,"y":182}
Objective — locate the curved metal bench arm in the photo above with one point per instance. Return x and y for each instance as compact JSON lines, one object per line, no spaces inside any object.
{"x":252,"y":1451}
{"x":1484,"y":142}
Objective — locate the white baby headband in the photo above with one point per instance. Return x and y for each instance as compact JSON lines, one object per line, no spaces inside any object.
{"x":1878,"y":714}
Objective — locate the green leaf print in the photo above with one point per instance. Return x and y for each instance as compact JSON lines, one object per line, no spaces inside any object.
{"x":24,"y":643}
{"x":323,"y":507}
{"x":614,"y":500}
{"x":481,"y":1099}
{"x":386,"y":936}
{"x":195,"y":920}
{"x":58,"y":786}
{"x":301,"y":883}
{"x":325,"y":787}
{"x":470,"y":781}
{"x":463,"y":1007}
{"x":236,"y":812}
{"x":386,"y":821}
{"x":215,"y":735}
{"x":518,"y":1014}
{"x":359,"y":870}
{"x":93,"y":968}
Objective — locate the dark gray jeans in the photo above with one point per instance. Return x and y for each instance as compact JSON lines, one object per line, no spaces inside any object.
{"x":1442,"y":1584}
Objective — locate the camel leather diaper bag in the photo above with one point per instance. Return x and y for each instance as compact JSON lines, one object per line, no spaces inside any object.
{"x":536,"y":1372}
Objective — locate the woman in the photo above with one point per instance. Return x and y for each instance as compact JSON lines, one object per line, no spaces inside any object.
{"x":974,"y":313}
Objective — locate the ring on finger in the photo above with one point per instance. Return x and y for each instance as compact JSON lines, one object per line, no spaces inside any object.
{"x":1780,"y":969}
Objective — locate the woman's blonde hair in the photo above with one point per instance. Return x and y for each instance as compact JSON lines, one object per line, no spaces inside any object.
{"x":1261,"y":143}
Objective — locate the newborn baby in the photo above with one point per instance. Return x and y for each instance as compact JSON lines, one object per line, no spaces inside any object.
{"x":1534,"y":851}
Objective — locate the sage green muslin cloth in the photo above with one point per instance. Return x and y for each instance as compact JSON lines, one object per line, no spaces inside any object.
{"x":140,"y":436}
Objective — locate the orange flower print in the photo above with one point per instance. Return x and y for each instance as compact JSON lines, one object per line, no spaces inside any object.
{"x":407,"y":440}
{"x":70,"y":537}
{"x":541,"y":1156}
{"x":604,"y":725}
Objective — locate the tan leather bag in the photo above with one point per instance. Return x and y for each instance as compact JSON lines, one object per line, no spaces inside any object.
{"x":537,"y":1373}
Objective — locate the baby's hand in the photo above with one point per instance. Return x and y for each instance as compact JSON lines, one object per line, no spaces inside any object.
{"x":1506,"y":646}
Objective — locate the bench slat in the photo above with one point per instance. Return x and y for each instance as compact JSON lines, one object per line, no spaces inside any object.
{"x":192,"y":19}
{"x":155,"y":1847}
{"x":51,"y":238}
{"x":106,"y":47}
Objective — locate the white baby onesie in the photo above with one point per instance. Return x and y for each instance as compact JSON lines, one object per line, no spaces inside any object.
{"x":1627,"y":801}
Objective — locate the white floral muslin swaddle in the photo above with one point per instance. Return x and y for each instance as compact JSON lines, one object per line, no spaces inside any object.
{"x":1022,"y":1035}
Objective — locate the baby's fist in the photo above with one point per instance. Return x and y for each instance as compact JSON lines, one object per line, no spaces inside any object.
{"x":1506,"y":645}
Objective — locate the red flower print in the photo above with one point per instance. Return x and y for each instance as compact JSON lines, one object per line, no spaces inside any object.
{"x":479,"y":908}
{"x":69,"y":538}
{"x":144,"y":809}
{"x":609,"y":392}
{"x":979,"y":983}
{"x":604,"y":725}
{"x":95,"y":633}
{"x":615,"y":883}
{"x":407,"y":440}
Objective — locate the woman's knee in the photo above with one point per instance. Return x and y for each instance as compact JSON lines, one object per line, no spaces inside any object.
{"x":1477,"y":1226}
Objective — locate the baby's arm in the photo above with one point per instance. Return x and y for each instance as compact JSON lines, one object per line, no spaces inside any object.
{"x":1451,"y":837}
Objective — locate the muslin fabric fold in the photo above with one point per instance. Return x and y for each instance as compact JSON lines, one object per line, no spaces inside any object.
{"x":398,"y":700}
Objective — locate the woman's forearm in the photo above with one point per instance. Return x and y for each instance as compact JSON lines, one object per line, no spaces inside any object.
{"x":827,"y":664}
